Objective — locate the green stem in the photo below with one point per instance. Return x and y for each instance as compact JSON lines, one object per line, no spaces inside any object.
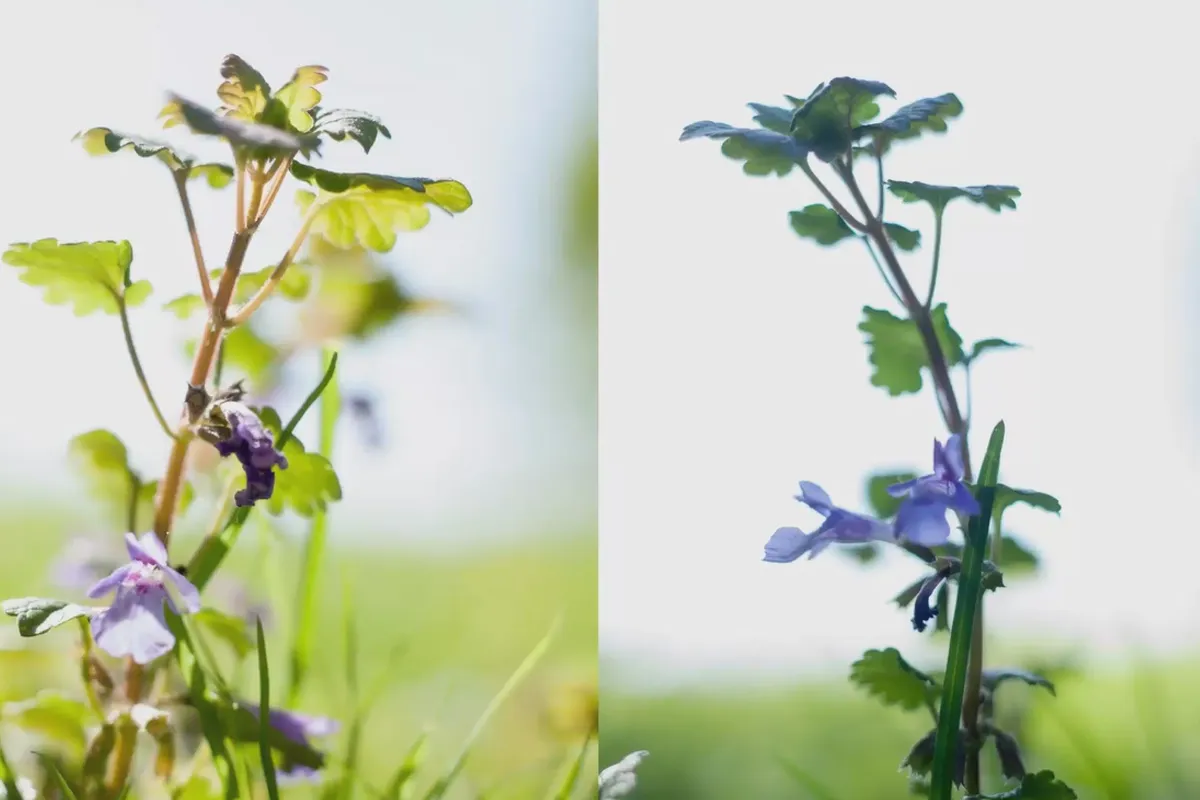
{"x":866,"y":240}
{"x":937,"y":252}
{"x":123,"y":310}
{"x":314,"y":550}
{"x":879,"y":175}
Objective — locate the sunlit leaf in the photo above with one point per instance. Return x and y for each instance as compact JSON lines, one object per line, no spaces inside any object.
{"x":52,"y":715}
{"x":244,"y":92}
{"x":88,"y":276}
{"x":308,"y":484}
{"x":763,"y":151}
{"x":261,"y":139}
{"x":897,"y":351}
{"x":1037,"y":786}
{"x":367,"y":209}
{"x":820,"y":223}
{"x":294,"y":285}
{"x":184,"y":306}
{"x":994,"y":197}
{"x":892,"y":680}
{"x":826,"y":121}
{"x":196,"y":788}
{"x":340,"y":124}
{"x":104,"y":141}
{"x":928,"y":115}
{"x":299,"y":96}
{"x":37,"y":615}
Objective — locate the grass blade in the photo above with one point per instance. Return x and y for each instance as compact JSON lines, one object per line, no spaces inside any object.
{"x":566,"y":787}
{"x":801,"y":778}
{"x":10,"y":779}
{"x":264,"y":714}
{"x":350,"y":762}
{"x":440,"y":788}
{"x":965,"y":604}
{"x":407,"y":770}
{"x":314,"y":547}
{"x":63,"y":786}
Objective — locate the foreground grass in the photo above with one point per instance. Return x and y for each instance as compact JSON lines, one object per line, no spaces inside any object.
{"x":437,"y":637}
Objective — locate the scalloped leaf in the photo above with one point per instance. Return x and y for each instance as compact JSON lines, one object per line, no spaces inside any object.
{"x":927,"y":115}
{"x":245,"y":92}
{"x":904,"y":238}
{"x":105,"y":141}
{"x":897,"y":351}
{"x":340,"y":124}
{"x":88,"y":276}
{"x":820,"y":223}
{"x":829,"y":116}
{"x":299,"y":96}
{"x":368,"y":209}
{"x":263,"y":140}
{"x":763,"y":151}
{"x":993,"y":196}
{"x":892,"y":680}
{"x":1037,"y":786}
{"x":308,"y":484}
{"x":38,"y":615}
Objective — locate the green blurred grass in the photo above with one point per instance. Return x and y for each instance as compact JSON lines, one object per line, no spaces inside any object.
{"x":1115,"y":735}
{"x":444,"y":630}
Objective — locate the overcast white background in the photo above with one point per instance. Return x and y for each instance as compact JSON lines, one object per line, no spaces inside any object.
{"x":731,"y":366}
{"x":490,"y":416}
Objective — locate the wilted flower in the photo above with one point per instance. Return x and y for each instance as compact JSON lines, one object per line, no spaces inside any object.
{"x":255,"y":449}
{"x":296,"y":728}
{"x":921,"y":518}
{"x":621,"y":778}
{"x":135,"y":625}
{"x":840,"y":525}
{"x":923,"y":610}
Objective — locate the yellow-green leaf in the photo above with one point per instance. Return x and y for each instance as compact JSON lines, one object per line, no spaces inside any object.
{"x":299,"y":96}
{"x":185,"y":305}
{"x":89,"y":276}
{"x":244,"y":92}
{"x":104,"y":141}
{"x":52,"y":715}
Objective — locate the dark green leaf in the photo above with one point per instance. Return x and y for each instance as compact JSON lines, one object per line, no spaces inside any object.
{"x":1015,"y":557}
{"x":897,"y":351}
{"x":763,"y":151}
{"x":982,"y":346}
{"x":52,"y":715}
{"x":244,"y":93}
{"x":994,"y":197}
{"x":367,"y":209}
{"x":299,"y":96}
{"x":887,"y":676}
{"x":883,"y":505}
{"x":928,"y":115}
{"x":1038,"y":786}
{"x":102,"y":141}
{"x":1012,"y":767}
{"x":1007,"y":496}
{"x":340,"y":124}
{"x":920,"y":758}
{"x":262,"y":139}
{"x":37,"y":615}
{"x":773,"y":118}
{"x":230,"y":629}
{"x":904,"y":238}
{"x":826,"y":121}
{"x":992,"y":678}
{"x":820,"y":223}
{"x":89,"y":276}
{"x":909,"y":593}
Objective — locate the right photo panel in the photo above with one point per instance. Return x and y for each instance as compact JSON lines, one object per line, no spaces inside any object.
{"x":898,"y":402}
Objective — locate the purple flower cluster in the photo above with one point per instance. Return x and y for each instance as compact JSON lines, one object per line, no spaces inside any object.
{"x":297,"y":728}
{"x":921,"y":518}
{"x":135,"y":624}
{"x":254,"y":448}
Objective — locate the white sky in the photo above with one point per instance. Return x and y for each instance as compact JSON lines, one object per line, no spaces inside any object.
{"x":486,"y":434}
{"x":731,"y":366}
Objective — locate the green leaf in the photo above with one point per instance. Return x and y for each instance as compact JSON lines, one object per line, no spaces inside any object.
{"x":408,"y":768}
{"x":774,"y":118}
{"x":994,"y":197}
{"x":363,"y":301}
{"x":52,"y":715}
{"x":984,"y":345}
{"x":309,"y":483}
{"x":367,"y":209}
{"x":764,"y":151}
{"x":294,"y":285}
{"x":228,"y":628}
{"x":897,"y":351}
{"x":883,"y":505}
{"x":909,"y":593}
{"x":800,"y":777}
{"x":262,"y":140}
{"x":887,"y":676}
{"x":820,"y":223}
{"x":264,"y":715}
{"x":37,"y":615}
{"x":184,"y":306}
{"x":245,"y":92}
{"x":1015,"y":557}
{"x":89,"y":276}
{"x":904,"y":238}
{"x":1006,"y":496}
{"x":299,"y":96}
{"x":1037,"y":786}
{"x":992,"y":678}
{"x":920,"y":758}
{"x":197,"y":788}
{"x":340,"y":124}
{"x":826,"y":121}
{"x":103,"y":141}
{"x":967,"y":600}
{"x":928,"y":115}
{"x":862,"y":553}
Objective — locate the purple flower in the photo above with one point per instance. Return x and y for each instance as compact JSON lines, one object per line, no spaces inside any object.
{"x":135,"y":625}
{"x":254,"y":447}
{"x":297,"y":728}
{"x":921,"y":518}
{"x":840,"y":525}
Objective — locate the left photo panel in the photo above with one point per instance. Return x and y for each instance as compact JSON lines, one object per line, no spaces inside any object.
{"x":299,"y":487}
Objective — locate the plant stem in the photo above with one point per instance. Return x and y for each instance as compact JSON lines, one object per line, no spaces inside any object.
{"x":879,"y":267}
{"x":126,"y":730}
{"x":937,"y":252}
{"x":879,"y":176}
{"x":180,"y":177}
{"x":274,"y":179}
{"x":123,"y":310}
{"x":842,"y":211}
{"x":277,"y":274}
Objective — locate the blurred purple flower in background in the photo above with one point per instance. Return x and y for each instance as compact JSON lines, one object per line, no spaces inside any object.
{"x":840,"y":525}
{"x":135,"y":625}
{"x":297,"y":728}
{"x":921,"y":518}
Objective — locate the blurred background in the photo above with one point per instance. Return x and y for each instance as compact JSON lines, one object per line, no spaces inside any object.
{"x":469,"y":514}
{"x":732,"y":368}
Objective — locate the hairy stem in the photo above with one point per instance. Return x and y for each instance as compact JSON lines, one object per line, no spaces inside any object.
{"x":137,"y":366}
{"x":205,"y":283}
{"x":937,"y":253}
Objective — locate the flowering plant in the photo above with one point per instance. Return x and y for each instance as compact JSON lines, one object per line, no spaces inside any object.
{"x":837,"y":125}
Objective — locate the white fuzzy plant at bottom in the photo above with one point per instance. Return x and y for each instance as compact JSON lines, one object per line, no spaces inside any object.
{"x":621,"y":778}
